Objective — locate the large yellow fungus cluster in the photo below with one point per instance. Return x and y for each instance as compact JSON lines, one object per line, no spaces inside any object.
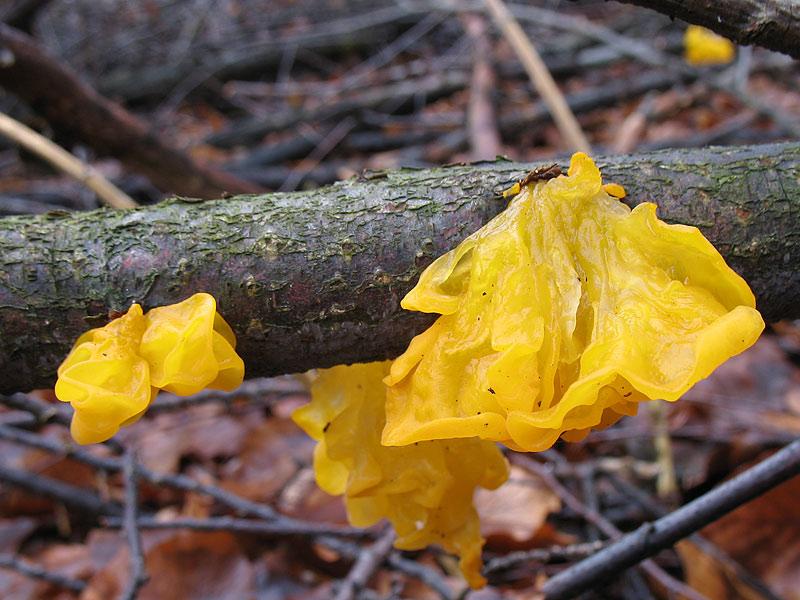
{"x":560,"y":315}
{"x":114,"y":372}
{"x":425,"y":490}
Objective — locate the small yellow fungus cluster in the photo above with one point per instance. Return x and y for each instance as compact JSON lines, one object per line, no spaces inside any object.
{"x":114,"y":372}
{"x":425,"y":490}
{"x":704,"y":47}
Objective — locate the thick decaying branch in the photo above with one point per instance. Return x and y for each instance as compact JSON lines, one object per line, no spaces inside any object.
{"x":773,"y":24}
{"x":313,"y":279}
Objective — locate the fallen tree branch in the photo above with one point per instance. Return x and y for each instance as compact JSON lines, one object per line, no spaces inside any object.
{"x":313,"y":279}
{"x":773,"y":24}
{"x":72,"y":107}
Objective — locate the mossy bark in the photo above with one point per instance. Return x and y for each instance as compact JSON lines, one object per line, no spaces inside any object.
{"x":313,"y":279}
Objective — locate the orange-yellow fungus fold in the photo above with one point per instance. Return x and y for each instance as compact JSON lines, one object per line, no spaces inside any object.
{"x":105,"y":380}
{"x":560,"y":315}
{"x":190,"y":347}
{"x":425,"y":490}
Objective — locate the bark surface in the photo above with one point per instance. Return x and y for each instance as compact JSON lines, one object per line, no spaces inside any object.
{"x":313,"y":279}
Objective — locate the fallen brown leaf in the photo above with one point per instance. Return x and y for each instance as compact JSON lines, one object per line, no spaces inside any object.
{"x":712,"y":577}
{"x":513,"y":515}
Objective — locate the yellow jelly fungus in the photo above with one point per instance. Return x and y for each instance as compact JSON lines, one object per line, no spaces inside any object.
{"x":560,"y":315}
{"x":190,"y":347}
{"x":425,"y":490}
{"x":113,"y":373}
{"x":105,"y":380}
{"x":704,"y":47}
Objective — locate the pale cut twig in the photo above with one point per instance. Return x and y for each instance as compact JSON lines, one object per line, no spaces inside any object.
{"x":66,"y":162}
{"x":666,"y":484}
{"x":539,"y":75}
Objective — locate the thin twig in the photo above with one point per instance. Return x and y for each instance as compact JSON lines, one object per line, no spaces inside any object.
{"x":369,"y":560}
{"x":138,"y":576}
{"x":13,"y":563}
{"x":657,"y":510}
{"x":604,"y":525}
{"x":276,"y":528}
{"x":66,"y":162}
{"x":545,"y":555}
{"x":254,"y":390}
{"x":423,"y":573}
{"x":653,"y":537}
{"x":178,"y":481}
{"x":328,"y":143}
{"x":44,"y":412}
{"x":539,"y":75}
{"x":484,"y":134}
{"x":81,"y":499}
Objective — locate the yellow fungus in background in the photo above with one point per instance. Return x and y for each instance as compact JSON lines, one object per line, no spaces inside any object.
{"x":560,"y":315}
{"x":105,"y":380}
{"x":189,"y":347}
{"x":425,"y":490}
{"x":704,"y":47}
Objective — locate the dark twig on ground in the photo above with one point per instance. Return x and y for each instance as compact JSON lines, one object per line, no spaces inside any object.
{"x":656,"y":509}
{"x":545,"y":555}
{"x":14,"y":563}
{"x":368,"y":562}
{"x":269,"y":528}
{"x":68,"y":494}
{"x":604,"y":525}
{"x":42,"y":411}
{"x":653,"y":537}
{"x":84,"y":500}
{"x":138,"y":575}
{"x":433,"y":579}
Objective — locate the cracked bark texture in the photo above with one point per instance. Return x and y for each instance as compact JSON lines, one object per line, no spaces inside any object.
{"x":313,"y":279}
{"x":773,"y":24}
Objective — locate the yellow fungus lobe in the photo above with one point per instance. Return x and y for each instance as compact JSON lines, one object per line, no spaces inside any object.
{"x":704,"y":47}
{"x":560,"y":315}
{"x":113,"y":373}
{"x":425,"y":490}
{"x":190,"y":347}
{"x":105,"y":380}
